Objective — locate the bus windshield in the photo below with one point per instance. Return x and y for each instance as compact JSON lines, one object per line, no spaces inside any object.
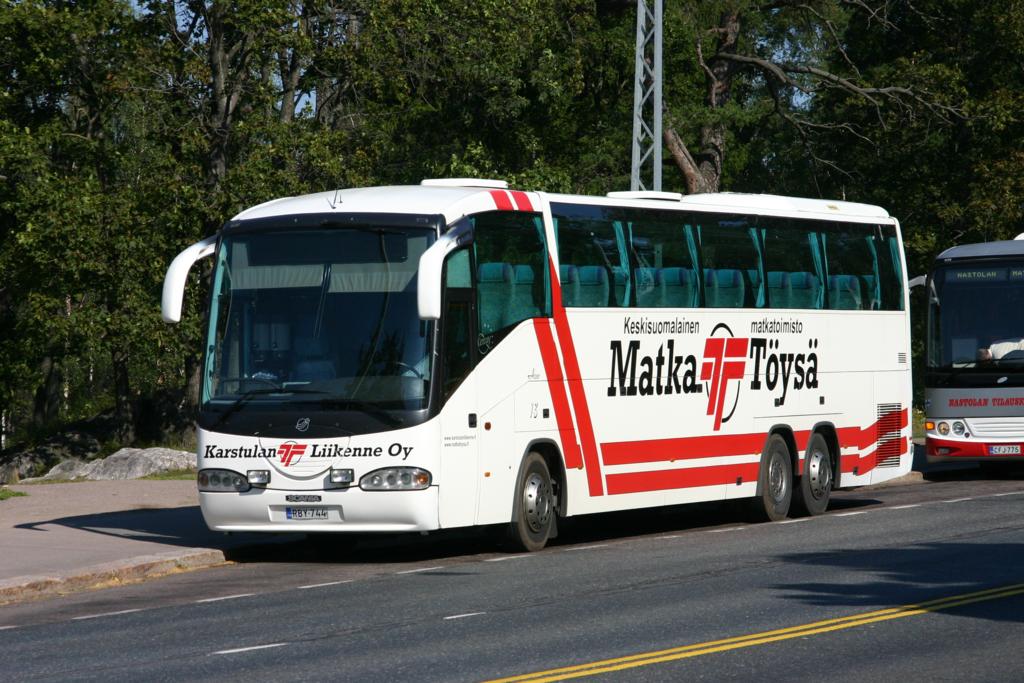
{"x":325,"y":316}
{"x":974,"y":319}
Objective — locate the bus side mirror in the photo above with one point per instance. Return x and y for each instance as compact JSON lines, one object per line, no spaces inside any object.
{"x":428,"y":282}
{"x":177,"y":274}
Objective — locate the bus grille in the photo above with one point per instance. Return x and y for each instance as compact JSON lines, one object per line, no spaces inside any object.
{"x":889,"y":436}
{"x":998,"y":428}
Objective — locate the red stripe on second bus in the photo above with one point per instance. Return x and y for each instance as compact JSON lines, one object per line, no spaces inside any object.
{"x":639,"y":482}
{"x":501,"y":200}
{"x":553,"y":372}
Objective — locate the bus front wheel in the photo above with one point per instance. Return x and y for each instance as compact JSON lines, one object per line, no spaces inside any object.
{"x":816,"y":483}
{"x":775,"y":482}
{"x":534,"y":506}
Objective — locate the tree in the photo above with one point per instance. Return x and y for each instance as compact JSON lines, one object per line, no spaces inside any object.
{"x":777,"y":59}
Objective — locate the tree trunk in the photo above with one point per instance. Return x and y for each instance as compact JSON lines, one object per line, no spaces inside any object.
{"x":46,"y":404}
{"x":123,"y":413}
{"x":703,"y":172}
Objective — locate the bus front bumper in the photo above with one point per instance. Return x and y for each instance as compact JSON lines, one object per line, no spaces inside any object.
{"x":343,"y":510}
{"x":957,"y":450}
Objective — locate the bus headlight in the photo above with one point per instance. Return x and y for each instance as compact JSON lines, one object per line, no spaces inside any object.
{"x":222,"y":481}
{"x":396,"y":479}
{"x":944,"y":428}
{"x":958,"y":428}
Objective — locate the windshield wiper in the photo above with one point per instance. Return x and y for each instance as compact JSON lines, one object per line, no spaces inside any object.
{"x":244,"y":398}
{"x":366,"y":407}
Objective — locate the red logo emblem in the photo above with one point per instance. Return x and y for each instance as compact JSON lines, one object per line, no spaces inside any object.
{"x":291,"y":452}
{"x":724,"y":360}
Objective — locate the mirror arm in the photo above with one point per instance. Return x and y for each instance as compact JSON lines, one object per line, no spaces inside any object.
{"x":177,"y":275}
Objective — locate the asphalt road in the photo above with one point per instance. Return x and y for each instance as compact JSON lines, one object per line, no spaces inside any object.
{"x":920,"y":582}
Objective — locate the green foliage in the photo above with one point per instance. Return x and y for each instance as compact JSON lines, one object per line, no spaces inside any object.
{"x":130,"y":130}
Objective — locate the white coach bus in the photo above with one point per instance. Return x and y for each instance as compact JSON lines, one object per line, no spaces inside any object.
{"x":974,"y":376}
{"x":451,"y":354}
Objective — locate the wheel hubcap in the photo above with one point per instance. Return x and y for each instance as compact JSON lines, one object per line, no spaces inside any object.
{"x":819,"y":469}
{"x":777,"y":479}
{"x":537,"y":502}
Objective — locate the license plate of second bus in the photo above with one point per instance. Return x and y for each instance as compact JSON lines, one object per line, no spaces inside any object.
{"x":1005,"y":449}
{"x":306,"y":513}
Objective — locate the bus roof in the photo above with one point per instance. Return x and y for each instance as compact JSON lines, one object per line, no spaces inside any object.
{"x":984,"y":249}
{"x":454,"y":201}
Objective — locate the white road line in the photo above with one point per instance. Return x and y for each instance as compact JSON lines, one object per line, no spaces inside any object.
{"x":665,"y":538}
{"x":463,"y":616}
{"x":106,"y":614}
{"x":905,"y":507}
{"x":1008,"y":493}
{"x":227,"y":597}
{"x":794,"y":521}
{"x":509,"y":557}
{"x":248,"y":649}
{"x":957,"y":500}
{"x":850,"y":514}
{"x":416,"y":571}
{"x":587,"y":547}
{"x":731,"y":528}
{"x":5,"y":628}
{"x":324,"y":585}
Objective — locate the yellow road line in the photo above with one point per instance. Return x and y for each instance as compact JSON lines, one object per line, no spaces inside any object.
{"x":764,"y":637}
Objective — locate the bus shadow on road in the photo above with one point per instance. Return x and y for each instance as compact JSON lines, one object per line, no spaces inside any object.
{"x":896,"y":577}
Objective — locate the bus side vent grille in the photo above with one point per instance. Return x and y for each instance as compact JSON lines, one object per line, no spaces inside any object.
{"x":902,"y":358}
{"x":889,"y":435}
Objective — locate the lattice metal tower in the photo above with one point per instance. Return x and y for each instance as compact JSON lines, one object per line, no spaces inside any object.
{"x":647,"y":98}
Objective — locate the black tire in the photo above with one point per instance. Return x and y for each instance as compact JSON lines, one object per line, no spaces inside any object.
{"x":534,"y":506}
{"x":775,"y":482}
{"x":812,"y":494}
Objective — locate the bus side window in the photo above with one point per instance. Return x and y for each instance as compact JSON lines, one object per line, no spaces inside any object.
{"x":793,"y":264}
{"x":512,"y":275}
{"x":593,"y":255}
{"x":731,"y":258}
{"x":666,"y":274}
{"x":852,"y":267}
{"x":457,"y":349}
{"x":890,"y":271}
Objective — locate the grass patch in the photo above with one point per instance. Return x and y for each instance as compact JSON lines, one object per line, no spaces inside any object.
{"x":171,"y":474}
{"x":918,"y":423}
{"x":7,"y":493}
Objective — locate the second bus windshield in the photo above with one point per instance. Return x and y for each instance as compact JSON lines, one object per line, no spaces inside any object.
{"x":974,"y":316}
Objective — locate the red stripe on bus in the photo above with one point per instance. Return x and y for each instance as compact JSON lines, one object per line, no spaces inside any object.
{"x":553,"y":372}
{"x":574,"y":378}
{"x":501,"y":200}
{"x":522,"y":201}
{"x":688,"y":448}
{"x":639,"y":482}
{"x":685,"y":448}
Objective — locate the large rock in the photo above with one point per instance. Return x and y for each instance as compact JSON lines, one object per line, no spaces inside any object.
{"x":127,"y":463}
{"x":73,"y":444}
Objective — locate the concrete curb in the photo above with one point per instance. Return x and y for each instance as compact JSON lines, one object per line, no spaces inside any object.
{"x":24,"y":588}
{"x":913,"y":477}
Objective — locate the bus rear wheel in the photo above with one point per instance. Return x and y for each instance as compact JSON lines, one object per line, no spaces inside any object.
{"x":815,"y":489}
{"x":534,"y":506}
{"x":775,"y":482}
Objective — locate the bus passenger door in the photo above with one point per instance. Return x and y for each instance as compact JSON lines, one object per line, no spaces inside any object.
{"x":458,"y":393}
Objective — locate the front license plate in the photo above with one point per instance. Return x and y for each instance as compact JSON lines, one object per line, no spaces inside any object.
{"x":306,"y":513}
{"x":1005,"y":449}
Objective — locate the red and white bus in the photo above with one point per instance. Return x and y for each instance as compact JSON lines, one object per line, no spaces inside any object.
{"x":455,"y":353}
{"x":974,"y":376}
